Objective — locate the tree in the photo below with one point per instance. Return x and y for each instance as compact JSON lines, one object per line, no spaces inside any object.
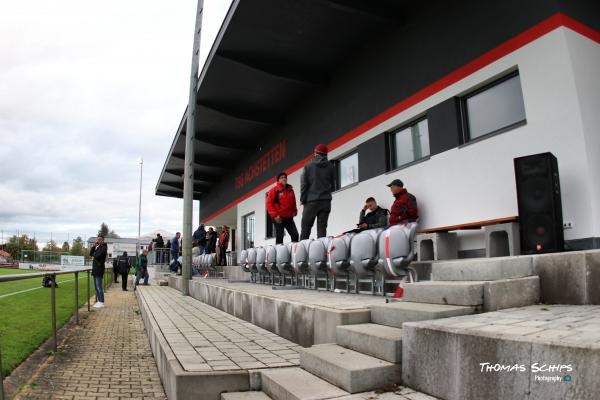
{"x":107,"y":232}
{"x":16,"y":244}
{"x":77,"y":248}
{"x":65,"y":247}
{"x":51,"y":246}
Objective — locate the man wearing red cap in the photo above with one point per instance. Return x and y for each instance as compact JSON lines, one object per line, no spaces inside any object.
{"x":316,"y":185}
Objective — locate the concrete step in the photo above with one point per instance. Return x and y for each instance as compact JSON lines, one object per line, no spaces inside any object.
{"x":297,"y":384}
{"x":162,"y":282}
{"x":350,"y":370}
{"x":245,"y":396}
{"x":379,"y":341}
{"x":508,"y":293}
{"x":469,"y":351}
{"x":396,"y":313}
{"x":482,"y":269}
{"x":468,"y":293}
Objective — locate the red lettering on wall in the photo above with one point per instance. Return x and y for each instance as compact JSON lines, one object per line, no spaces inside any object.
{"x":271,"y":157}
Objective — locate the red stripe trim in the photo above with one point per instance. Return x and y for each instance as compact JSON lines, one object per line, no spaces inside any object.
{"x":555,"y":21}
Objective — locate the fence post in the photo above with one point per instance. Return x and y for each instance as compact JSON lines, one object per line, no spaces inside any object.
{"x":77,"y":297}
{"x":88,"y":290}
{"x":53,"y":301}
{"x":1,"y":377}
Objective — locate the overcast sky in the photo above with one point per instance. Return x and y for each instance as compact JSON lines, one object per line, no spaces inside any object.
{"x":87,"y":87}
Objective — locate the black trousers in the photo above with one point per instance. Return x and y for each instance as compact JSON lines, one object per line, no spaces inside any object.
{"x":222,"y":255}
{"x":289,"y":225}
{"x":116,"y":274}
{"x":320,"y":210}
{"x":124,"y":280}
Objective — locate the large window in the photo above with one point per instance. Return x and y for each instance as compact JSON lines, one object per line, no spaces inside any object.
{"x":347,"y":170}
{"x":248,"y":222}
{"x":410,"y":143}
{"x":494,"y":108}
{"x":269,"y":226}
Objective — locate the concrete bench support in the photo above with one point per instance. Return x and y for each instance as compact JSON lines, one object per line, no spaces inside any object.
{"x":437,"y":246}
{"x":502,"y":240}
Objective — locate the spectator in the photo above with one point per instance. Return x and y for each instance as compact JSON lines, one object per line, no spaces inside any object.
{"x":160,"y":243}
{"x":404,"y":209}
{"x":115,"y":270}
{"x":377,"y":217}
{"x":223,"y":244}
{"x":281,"y":206}
{"x":175,"y":266}
{"x":316,"y":185}
{"x":211,"y":241}
{"x":98,"y":251}
{"x":141,"y":269}
{"x":200,"y":238}
{"x":124,"y":267}
{"x":175,"y":246}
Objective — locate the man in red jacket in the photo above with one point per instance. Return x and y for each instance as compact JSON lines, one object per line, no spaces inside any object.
{"x":281,"y":206}
{"x":404,"y":209}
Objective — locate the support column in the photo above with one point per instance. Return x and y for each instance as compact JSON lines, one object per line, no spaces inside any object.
{"x":188,"y":175}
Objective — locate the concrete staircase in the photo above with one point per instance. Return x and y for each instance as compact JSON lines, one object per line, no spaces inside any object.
{"x":369,"y":356}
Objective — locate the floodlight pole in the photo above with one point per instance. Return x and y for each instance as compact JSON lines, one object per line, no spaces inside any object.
{"x":188,"y":174}
{"x":137,"y":248}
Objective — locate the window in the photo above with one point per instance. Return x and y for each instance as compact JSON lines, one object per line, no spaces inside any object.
{"x":347,"y":170}
{"x":494,"y":108}
{"x":269,"y":224}
{"x":248,"y":222}
{"x":410,"y":143}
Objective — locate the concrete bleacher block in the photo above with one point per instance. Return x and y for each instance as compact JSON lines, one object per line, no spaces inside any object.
{"x":176,"y":282}
{"x":327,"y":320}
{"x":350,"y":370}
{"x":397,"y":313}
{"x":297,"y":384}
{"x":437,"y":246}
{"x":235,"y":273}
{"x":508,"y":293}
{"x":469,"y":293}
{"x":482,"y":269}
{"x":252,"y":395}
{"x":162,"y":282}
{"x":380,"y":341}
{"x":569,"y":278}
{"x":455,"y":348}
{"x":502,"y":240}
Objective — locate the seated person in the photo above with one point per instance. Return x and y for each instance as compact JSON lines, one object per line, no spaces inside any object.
{"x":175,"y":266}
{"x":376,"y":217}
{"x":404,"y":208}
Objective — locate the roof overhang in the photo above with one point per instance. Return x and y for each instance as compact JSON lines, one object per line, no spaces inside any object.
{"x":269,"y":57}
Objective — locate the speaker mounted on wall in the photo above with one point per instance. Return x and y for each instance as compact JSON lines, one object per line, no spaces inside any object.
{"x":539,"y":201}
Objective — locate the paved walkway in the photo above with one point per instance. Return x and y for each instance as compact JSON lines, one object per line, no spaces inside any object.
{"x":204,"y":338}
{"x":109,"y":358}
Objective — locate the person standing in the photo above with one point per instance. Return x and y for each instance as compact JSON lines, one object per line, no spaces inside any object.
{"x":316,"y":185}
{"x":404,"y":209}
{"x":115,"y":270}
{"x":175,"y":246}
{"x":98,"y":251}
{"x":223,"y":244}
{"x":141,"y":269}
{"x":200,"y":238}
{"x":124,"y":267}
{"x":211,"y":241}
{"x":281,"y":206}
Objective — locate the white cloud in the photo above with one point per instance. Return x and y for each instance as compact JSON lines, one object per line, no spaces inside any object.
{"x":87,"y":88}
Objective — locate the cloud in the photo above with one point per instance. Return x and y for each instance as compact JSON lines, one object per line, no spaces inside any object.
{"x":88,"y":87}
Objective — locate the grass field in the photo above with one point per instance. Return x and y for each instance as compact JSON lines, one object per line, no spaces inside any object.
{"x":25,"y":318}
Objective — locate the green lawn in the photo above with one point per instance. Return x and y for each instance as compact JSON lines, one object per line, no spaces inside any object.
{"x":25,"y":317}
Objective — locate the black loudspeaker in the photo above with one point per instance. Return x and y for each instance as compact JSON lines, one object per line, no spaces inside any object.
{"x":540,"y":207}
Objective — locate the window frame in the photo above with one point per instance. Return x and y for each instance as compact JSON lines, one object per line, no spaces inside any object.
{"x":269,"y":223}
{"x":464,"y":111}
{"x":244,"y":231}
{"x":338,"y":170}
{"x":393,"y":164}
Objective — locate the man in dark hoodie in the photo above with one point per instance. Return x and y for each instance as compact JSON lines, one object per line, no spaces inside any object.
{"x":98,"y":251}
{"x":316,"y":185}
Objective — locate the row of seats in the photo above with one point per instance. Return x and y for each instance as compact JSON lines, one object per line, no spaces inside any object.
{"x":362,"y":253}
{"x":207,"y":262}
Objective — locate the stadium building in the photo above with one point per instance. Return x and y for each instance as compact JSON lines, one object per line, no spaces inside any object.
{"x":443,"y":95}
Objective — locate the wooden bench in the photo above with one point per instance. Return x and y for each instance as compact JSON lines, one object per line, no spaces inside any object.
{"x":501,"y":238}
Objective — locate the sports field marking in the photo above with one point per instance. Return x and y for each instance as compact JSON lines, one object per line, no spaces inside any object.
{"x":35,"y":288}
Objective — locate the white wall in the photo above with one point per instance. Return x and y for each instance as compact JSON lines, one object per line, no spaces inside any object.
{"x":476,"y":181}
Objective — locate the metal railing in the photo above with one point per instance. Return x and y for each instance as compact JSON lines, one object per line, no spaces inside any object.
{"x":106,"y":281}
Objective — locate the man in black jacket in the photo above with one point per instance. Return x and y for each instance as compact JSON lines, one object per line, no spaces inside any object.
{"x":316,"y":185}
{"x":199,"y":237}
{"x":124,"y":267}
{"x":377,"y":217}
{"x":98,"y":252}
